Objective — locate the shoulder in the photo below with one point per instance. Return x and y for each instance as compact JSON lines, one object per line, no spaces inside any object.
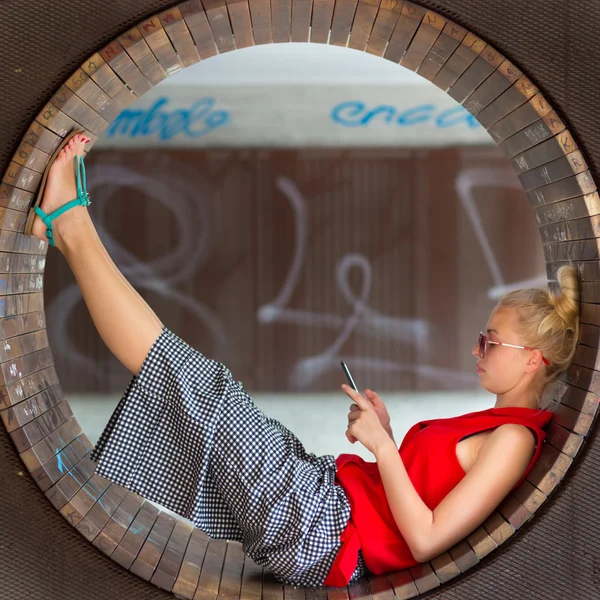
{"x":510,"y":438}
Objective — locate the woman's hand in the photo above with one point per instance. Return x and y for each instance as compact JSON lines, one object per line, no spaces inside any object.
{"x":380,"y":410}
{"x":365,"y":423}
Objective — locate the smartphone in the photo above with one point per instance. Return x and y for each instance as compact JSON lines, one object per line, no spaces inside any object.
{"x":347,"y":371}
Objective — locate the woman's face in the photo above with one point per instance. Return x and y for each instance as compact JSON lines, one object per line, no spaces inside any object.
{"x":504,"y":368}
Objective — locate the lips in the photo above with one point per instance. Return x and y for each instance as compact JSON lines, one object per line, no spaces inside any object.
{"x":480,"y":370}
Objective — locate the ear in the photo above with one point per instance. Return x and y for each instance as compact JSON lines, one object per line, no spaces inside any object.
{"x":534,"y":362}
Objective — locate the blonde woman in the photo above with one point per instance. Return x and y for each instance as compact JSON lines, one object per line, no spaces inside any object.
{"x":188,"y":436}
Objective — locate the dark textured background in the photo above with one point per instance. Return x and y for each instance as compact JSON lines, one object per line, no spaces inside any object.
{"x":555,"y":44}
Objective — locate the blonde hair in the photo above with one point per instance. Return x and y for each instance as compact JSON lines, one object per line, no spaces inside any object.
{"x":549,"y":320}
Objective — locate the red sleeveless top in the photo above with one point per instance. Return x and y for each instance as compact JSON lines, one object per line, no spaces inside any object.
{"x":428,"y":452}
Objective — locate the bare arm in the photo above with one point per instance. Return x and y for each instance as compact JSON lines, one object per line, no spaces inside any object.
{"x":501,"y":462}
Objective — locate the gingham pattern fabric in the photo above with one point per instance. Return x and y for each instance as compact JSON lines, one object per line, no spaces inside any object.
{"x":187,"y":436}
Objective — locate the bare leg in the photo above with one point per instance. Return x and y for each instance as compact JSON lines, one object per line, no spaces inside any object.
{"x":123,"y":319}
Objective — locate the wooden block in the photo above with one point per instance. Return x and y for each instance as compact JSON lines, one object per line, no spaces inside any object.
{"x":51,"y":445}
{"x":27,"y":331}
{"x":26,"y":365}
{"x":175,"y":27}
{"x":428,"y":32}
{"x":529,"y":496}
{"x":18,"y":283}
{"x":424,"y":577}
{"x":81,"y":84}
{"x":30,"y":409}
{"x":516,"y":121}
{"x":558,"y":169}
{"x":572,"y":251}
{"x":56,"y":121}
{"x":272,"y":589}
{"x":62,"y":462}
{"x":21,"y":263}
{"x":544,"y":478}
{"x":138,"y":49}
{"x":218,"y":21}
{"x":152,"y":549}
{"x":468,"y":50}
{"x":231,"y":578}
{"x":26,"y":387}
{"x":41,"y":138}
{"x":293,"y":593}
{"x":358,"y":589}
{"x":239,"y":15}
{"x":444,"y":567}
{"x":579,"y":229}
{"x":481,"y":542}
{"x":112,"y":533}
{"x":516,"y":95}
{"x":403,"y":584}
{"x":127,"y":550}
{"x":536,"y":133}
{"x":210,"y":577}
{"x":158,"y":41}
{"x":301,"y":15}
{"x":108,"y":81}
{"x":260,"y":12}
{"x":168,"y":568}
{"x":281,"y":15}
{"x":571,"y":209}
{"x":83,"y":501}
{"x":562,"y":439}
{"x":385,"y":23}
{"x":405,"y":29}
{"x":197,"y":22}
{"x":475,"y":74}
{"x":381,"y":587}
{"x":514,"y":512}
{"x":584,"y":355}
{"x":24,"y":344}
{"x":30,"y":434}
{"x":590,"y":313}
{"x":570,"y":187}
{"x":75,"y":108}
{"x":580,"y":400}
{"x":498,"y":529}
{"x":12,"y":220}
{"x":343,"y":16}
{"x":21,"y":177}
{"x":11,"y":241}
{"x":189,"y":574}
{"x":364,"y":19}
{"x":70,"y":483}
{"x":120,"y":62}
{"x":443,"y":48}
{"x":496,"y":84}
{"x":252,"y":576}
{"x":553,"y":148}
{"x":464,"y":556}
{"x":321,"y":21}
{"x":337,"y":593}
{"x":14,"y":198}
{"x":19,"y":304}
{"x":31,"y":157}
{"x":91,"y":525}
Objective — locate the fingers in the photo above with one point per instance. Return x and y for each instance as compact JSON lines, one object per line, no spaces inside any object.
{"x":354,"y":407}
{"x":362,"y":403}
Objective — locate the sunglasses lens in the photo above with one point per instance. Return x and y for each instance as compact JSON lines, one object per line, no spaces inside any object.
{"x":481,"y":345}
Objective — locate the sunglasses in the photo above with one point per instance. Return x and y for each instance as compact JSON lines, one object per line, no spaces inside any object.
{"x":483,"y":344}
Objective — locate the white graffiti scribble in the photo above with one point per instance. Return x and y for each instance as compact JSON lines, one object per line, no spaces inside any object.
{"x":466,"y":182}
{"x":169,"y":183}
{"x":361,"y":319}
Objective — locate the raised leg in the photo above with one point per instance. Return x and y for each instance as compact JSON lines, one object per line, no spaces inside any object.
{"x":123,"y":319}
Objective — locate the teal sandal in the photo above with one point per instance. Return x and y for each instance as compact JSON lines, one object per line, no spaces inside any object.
{"x":83,"y":199}
{"x":82,"y":195}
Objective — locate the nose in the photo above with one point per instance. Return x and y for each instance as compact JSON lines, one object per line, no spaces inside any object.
{"x":475,"y":351}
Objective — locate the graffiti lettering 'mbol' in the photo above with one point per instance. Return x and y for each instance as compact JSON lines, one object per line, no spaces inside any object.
{"x":194,"y":122}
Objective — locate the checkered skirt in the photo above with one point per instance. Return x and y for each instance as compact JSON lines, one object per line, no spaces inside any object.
{"x":187,"y":436}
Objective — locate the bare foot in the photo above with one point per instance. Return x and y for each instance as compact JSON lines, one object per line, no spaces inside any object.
{"x":61,"y":188}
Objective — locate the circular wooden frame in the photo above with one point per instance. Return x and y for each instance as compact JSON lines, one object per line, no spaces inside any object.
{"x":160,"y":548}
